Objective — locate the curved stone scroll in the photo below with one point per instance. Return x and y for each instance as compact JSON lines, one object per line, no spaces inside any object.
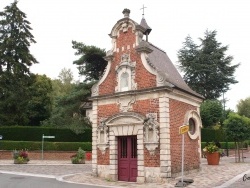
{"x":102,"y":137}
{"x":151,"y":133}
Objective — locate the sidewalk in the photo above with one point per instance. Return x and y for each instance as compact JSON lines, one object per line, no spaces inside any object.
{"x":209,"y":176}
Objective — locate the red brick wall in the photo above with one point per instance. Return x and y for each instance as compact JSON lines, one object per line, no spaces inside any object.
{"x":103,"y":159}
{"x":147,"y":106}
{"x":105,"y":111}
{"x":47,"y":155}
{"x":192,"y":160}
{"x":143,"y":78}
{"x":152,"y":160}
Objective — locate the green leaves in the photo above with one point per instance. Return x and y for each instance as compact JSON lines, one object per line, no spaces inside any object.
{"x":15,"y":60}
{"x":243,"y":107}
{"x":211,"y":112}
{"x":91,"y":63}
{"x":237,"y":127}
{"x":207,"y":69}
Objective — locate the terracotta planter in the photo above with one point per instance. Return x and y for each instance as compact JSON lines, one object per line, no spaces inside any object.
{"x":213,"y":158}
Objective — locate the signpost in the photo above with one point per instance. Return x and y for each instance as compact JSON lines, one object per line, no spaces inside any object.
{"x":1,"y":137}
{"x":43,"y":142}
{"x":182,"y":130}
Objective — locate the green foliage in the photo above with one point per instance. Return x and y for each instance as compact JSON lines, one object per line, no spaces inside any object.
{"x":68,"y":111}
{"x":48,"y":146}
{"x":237,"y":128}
{"x":91,"y":63}
{"x":206,"y":68}
{"x":22,"y":133}
{"x":243,"y":107}
{"x":211,"y":148}
{"x":64,"y":85}
{"x":15,"y":60}
{"x":40,"y":104}
{"x":208,"y":135}
{"x":211,"y":112}
{"x":224,"y":145}
{"x":79,"y":157}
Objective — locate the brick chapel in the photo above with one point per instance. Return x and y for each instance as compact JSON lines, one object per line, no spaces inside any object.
{"x":138,"y":106}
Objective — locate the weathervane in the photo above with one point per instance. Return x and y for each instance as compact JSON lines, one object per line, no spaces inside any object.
{"x":143,"y":10}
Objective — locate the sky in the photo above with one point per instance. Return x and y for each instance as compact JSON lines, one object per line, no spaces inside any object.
{"x":56,"y":23}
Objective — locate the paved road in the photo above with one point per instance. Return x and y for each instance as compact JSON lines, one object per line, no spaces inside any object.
{"x":18,"y":181}
{"x":227,"y":174}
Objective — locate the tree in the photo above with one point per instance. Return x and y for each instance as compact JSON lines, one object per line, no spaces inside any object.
{"x":15,"y":60}
{"x":66,"y":76}
{"x":237,"y":128}
{"x":40,"y":103}
{"x":211,"y":112}
{"x":206,"y":68}
{"x":68,"y":112}
{"x":91,"y":63}
{"x":243,"y":107}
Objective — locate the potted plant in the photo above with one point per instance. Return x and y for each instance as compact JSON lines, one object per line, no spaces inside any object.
{"x":79,"y":157}
{"x":212,"y":154}
{"x":20,"y":157}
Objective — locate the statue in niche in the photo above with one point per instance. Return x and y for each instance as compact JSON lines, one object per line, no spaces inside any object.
{"x":151,"y":133}
{"x":124,"y":81}
{"x":125,"y":27}
{"x":102,"y":137}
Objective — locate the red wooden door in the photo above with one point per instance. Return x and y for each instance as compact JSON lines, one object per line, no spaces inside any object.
{"x":127,"y":158}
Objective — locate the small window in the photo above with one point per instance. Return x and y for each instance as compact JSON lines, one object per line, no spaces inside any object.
{"x":191,"y":126}
{"x":124,"y":81}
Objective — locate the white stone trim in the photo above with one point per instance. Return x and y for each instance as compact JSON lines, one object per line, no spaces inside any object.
{"x":94,"y":139}
{"x":95,"y":88}
{"x":165,"y":154}
{"x":180,"y":96}
{"x":185,"y":97}
{"x":144,"y":57}
{"x":198,"y":124}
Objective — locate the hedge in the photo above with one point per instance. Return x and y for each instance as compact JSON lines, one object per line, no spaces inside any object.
{"x":209,"y":135}
{"x":224,"y":145}
{"x":25,"y":133}
{"x":48,"y":146}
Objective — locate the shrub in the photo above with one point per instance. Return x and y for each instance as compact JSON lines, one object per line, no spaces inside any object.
{"x":79,"y":157}
{"x":48,"y":146}
{"x":25,"y":133}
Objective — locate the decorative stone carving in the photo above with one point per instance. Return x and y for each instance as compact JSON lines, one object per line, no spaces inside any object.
{"x":109,"y":56}
{"x":94,"y":90}
{"x":151,"y":133}
{"x":124,"y":27}
{"x":102,"y":137}
{"x":126,"y":66}
{"x":125,"y":104}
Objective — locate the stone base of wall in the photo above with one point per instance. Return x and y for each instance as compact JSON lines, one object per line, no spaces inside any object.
{"x":47,"y":155}
{"x":104,"y":172}
{"x":153,"y":174}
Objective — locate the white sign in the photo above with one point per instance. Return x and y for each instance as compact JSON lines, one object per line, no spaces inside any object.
{"x":48,"y":136}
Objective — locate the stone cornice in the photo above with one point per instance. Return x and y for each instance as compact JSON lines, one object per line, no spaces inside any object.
{"x":132,"y":92}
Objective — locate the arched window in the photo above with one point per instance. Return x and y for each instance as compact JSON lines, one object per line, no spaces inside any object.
{"x":124,"y":81}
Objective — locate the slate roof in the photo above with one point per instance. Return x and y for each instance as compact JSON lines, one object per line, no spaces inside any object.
{"x":145,"y":25}
{"x":160,"y":60}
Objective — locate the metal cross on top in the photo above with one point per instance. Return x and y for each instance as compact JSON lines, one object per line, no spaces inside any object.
{"x":143,"y":10}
